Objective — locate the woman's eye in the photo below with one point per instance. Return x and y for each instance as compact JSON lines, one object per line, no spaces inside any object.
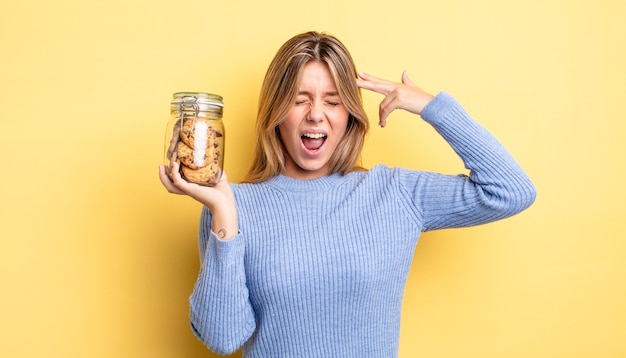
{"x":334,"y":104}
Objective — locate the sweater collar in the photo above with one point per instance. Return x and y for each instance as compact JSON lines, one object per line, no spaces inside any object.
{"x":323,"y":183}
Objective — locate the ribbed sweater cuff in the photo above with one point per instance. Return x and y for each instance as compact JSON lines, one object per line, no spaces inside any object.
{"x":438,"y":106}
{"x":228,"y":252}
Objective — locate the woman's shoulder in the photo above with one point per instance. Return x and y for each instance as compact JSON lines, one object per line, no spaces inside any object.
{"x":384,"y":171}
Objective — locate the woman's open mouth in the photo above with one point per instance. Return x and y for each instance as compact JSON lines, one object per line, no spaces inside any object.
{"x":313,"y":141}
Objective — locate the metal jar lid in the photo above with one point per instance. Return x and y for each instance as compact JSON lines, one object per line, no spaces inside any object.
{"x":199,"y":101}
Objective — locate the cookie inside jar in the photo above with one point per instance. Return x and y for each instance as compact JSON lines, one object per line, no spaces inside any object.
{"x":195,"y":137}
{"x":199,"y":151}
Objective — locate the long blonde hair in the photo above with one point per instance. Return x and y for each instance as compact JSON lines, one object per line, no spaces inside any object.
{"x":279,"y":90}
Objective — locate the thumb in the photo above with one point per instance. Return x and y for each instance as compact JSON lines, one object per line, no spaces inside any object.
{"x":406,"y":80}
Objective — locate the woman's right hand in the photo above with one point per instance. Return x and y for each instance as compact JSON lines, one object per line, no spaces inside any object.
{"x":219,"y":199}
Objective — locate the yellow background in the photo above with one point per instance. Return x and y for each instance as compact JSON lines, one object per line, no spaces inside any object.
{"x":97,"y":260}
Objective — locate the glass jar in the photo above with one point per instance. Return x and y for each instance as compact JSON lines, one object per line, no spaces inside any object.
{"x":194,"y":137}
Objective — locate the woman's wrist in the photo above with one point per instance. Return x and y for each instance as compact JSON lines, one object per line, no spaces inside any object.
{"x":225,"y":225}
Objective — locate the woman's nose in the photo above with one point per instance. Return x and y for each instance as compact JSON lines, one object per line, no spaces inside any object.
{"x":316,"y":112}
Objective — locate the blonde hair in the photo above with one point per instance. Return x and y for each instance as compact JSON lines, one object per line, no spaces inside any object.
{"x":279,"y":90}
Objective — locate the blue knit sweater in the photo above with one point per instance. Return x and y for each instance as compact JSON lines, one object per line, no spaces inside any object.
{"x":319,"y":266}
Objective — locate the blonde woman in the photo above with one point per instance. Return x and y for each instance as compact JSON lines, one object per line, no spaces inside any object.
{"x":309,"y":255}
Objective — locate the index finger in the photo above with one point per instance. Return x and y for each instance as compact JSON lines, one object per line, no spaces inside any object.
{"x":375,"y":84}
{"x":167,"y":182}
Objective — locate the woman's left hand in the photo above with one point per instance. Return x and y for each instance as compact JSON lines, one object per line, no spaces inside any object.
{"x":405,"y":95}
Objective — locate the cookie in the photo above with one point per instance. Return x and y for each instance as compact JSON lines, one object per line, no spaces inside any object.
{"x":198,"y":132}
{"x":209,"y":174}
{"x":194,"y":158}
{"x":172,"y":149}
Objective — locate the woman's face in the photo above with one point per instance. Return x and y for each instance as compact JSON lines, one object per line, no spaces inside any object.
{"x":314,"y":125}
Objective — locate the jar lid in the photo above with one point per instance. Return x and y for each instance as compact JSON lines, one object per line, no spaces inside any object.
{"x":201,"y":98}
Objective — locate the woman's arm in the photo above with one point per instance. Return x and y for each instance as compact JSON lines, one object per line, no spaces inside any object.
{"x":496,"y":187}
{"x":220,"y":311}
{"x":219,"y":199}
